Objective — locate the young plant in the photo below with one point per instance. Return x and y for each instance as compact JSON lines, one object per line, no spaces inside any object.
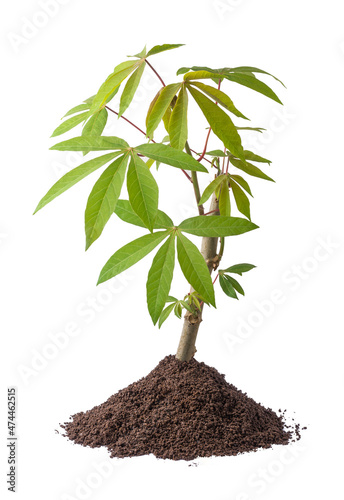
{"x":226,"y":187}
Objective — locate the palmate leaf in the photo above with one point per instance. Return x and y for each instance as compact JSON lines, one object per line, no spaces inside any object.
{"x":253,"y":129}
{"x":77,"y":109}
{"x":166,"y":118}
{"x":165,"y":314}
{"x":170,"y":156}
{"x":216,"y":226}
{"x":236,"y":285}
{"x":130,"y":89}
{"x":125,"y":212}
{"x":213,"y":186}
{"x":88,"y":143}
{"x":159,"y":105}
{"x":238,"y":269}
{"x":220,"y":97}
{"x":227,"y":286}
{"x":253,"y":157}
{"x":245,"y":79}
{"x":239,"y":180}
{"x":195,"y":268}
{"x":253,"y":83}
{"x":161,"y":48}
{"x":74,"y":176}
{"x":178,"y":126}
{"x":96,"y":123}
{"x":130,"y":254}
{"x":160,"y":278}
{"x":143,"y":191}
{"x":69,"y":124}
{"x":103,"y":198}
{"x":111,"y":84}
{"x":224,"y":200}
{"x":251,"y":69}
{"x":220,"y":123}
{"x":250,"y":169}
{"x":241,"y":200}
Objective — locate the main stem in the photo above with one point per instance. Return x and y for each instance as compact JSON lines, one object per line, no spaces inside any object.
{"x":187,"y":348}
{"x":187,"y":344}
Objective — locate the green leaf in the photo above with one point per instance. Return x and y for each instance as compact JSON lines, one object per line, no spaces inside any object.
{"x":143,"y":191}
{"x":220,"y":97}
{"x":74,"y":176}
{"x":239,"y":268}
{"x":159,"y":107}
{"x":224,"y":200}
{"x":171,"y":299}
{"x":211,"y":188}
{"x":216,"y":152}
{"x":178,"y":310}
{"x":253,"y":83}
{"x":250,"y":169}
{"x":161,"y":48}
{"x":245,"y":79}
{"x":178,"y":125}
{"x":253,"y":157}
{"x":141,"y":54}
{"x":254,"y":129}
{"x":220,"y":123}
{"x":186,"y":306}
{"x":96,"y":123}
{"x":201,"y":74}
{"x":236,"y":285}
{"x":216,"y":226}
{"x":103,"y":198}
{"x":130,"y":89}
{"x":241,"y":200}
{"x":160,"y":278}
{"x":242,"y":183}
{"x":166,"y":118}
{"x":251,"y":69}
{"x":183,"y":70}
{"x":165,"y":314}
{"x":227,"y":287}
{"x":89,"y":100}
{"x":91,"y":143}
{"x":69,"y":124}
{"x":195,"y":268}
{"x":111,"y":84}
{"x":131,"y":253}
{"x":126,"y":213}
{"x":170,"y":156}
{"x":77,"y":109}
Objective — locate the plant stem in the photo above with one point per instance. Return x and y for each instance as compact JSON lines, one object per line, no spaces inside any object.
{"x":131,"y":123}
{"x":157,"y":74}
{"x":186,"y":348}
{"x":144,"y":133}
{"x":195,"y":183}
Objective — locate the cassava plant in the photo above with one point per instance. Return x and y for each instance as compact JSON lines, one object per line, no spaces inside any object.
{"x":225,"y":186}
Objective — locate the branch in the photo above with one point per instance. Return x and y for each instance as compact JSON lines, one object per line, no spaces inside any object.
{"x":195,"y":183}
{"x":157,"y":74}
{"x":144,"y":133}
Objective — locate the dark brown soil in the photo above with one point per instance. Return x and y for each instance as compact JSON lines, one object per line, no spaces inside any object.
{"x":180,"y":411}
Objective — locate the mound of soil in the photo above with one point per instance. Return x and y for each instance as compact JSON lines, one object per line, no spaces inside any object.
{"x":180,"y":411}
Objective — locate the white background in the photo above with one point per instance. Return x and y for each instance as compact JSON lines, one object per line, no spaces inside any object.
{"x":291,"y":356}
